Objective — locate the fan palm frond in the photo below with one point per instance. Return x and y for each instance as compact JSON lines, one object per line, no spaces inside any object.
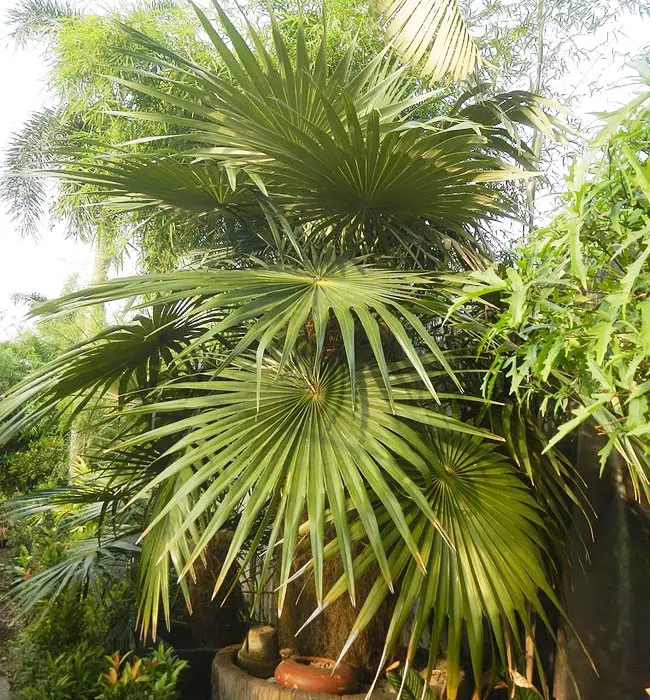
{"x":160,"y":183}
{"x":107,"y":362}
{"x":90,"y":562}
{"x":332,"y":149}
{"x":281,"y":303}
{"x":432,"y":35}
{"x":300,"y":447}
{"x":480,"y":584}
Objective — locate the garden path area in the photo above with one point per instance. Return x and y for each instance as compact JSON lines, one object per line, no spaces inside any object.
{"x":6,"y":629}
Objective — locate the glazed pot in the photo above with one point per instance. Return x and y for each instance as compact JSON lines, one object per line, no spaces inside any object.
{"x":315,"y":674}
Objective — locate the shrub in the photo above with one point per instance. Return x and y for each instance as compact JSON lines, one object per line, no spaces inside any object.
{"x":153,"y":677}
{"x":41,"y":541}
{"x":61,"y":655}
{"x":52,"y":646}
{"x":71,"y":675}
{"x":42,"y":463}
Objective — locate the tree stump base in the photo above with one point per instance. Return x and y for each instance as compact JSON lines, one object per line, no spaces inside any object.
{"x":229,"y":682}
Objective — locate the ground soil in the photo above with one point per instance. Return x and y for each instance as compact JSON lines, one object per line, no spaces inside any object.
{"x":7,"y":630}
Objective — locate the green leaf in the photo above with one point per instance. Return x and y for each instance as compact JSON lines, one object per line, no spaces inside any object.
{"x":517,"y":298}
{"x":644,"y":331}
{"x":279,"y":301}
{"x":578,"y":267}
{"x":581,"y":414}
{"x":304,"y":442}
{"x":487,"y":577}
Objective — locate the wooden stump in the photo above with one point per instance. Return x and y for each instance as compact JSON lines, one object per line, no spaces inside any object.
{"x":229,"y":682}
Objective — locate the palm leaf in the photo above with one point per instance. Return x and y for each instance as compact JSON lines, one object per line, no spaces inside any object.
{"x":91,"y":562}
{"x":281,"y":302}
{"x":432,"y":35}
{"x":120,"y":359}
{"x":158,"y":559}
{"x":328,"y":148}
{"x":31,"y":149}
{"x":300,"y":450}
{"x":160,"y":183}
{"x":480,"y":583}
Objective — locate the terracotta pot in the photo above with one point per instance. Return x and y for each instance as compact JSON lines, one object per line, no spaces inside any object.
{"x":315,"y":674}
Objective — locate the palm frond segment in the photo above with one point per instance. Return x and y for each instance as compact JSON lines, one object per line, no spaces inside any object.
{"x":160,"y":184}
{"x":296,"y":304}
{"x":326,"y":145}
{"x":482,"y":583}
{"x":297,"y":449}
{"x":432,"y":35}
{"x":121,"y":358}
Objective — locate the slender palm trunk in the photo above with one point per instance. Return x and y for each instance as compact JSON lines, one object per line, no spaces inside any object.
{"x":94,"y":318}
{"x":531,"y":187}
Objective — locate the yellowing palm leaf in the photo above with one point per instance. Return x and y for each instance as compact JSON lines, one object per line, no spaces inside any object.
{"x":432,"y":34}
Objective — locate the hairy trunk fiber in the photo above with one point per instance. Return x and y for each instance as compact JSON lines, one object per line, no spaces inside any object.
{"x":327,"y":634}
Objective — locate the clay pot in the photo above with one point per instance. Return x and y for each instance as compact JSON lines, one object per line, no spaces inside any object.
{"x":315,"y":674}
{"x":260,"y":652}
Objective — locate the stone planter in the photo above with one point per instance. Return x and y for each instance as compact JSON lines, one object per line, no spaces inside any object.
{"x":229,"y":682}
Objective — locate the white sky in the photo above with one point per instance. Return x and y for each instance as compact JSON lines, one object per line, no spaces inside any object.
{"x":28,"y":265}
{"x":45,"y":264}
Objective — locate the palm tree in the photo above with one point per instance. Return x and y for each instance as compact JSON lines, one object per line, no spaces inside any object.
{"x":307,"y":386}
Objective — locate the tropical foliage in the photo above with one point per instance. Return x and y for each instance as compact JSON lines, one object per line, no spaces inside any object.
{"x":343,"y":374}
{"x":305,"y":381}
{"x":154,"y":677}
{"x":38,"y":457}
{"x":586,"y":277}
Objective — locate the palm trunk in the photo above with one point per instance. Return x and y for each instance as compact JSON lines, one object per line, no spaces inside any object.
{"x":93,"y":320}
{"x":531,"y":187}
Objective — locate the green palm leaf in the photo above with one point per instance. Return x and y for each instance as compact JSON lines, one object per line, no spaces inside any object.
{"x":158,"y":558}
{"x":91,"y":562}
{"x":354,"y":301}
{"x":301,"y":450}
{"x":121,"y":359}
{"x":161,"y":183}
{"x":484,"y":580}
{"x":328,"y":147}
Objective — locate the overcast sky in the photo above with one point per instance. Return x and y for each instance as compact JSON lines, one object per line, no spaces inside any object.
{"x":44,"y":265}
{"x":28,"y":265}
